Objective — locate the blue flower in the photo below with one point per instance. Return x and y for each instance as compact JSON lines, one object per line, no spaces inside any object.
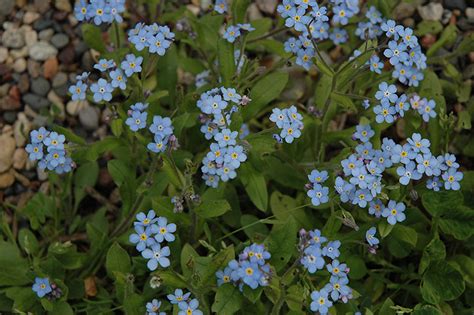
{"x":451,"y":179}
{"x":363,"y":133}
{"x":375,"y":64}
{"x":316,"y":237}
{"x":159,"y":144}
{"x":157,"y":256}
{"x":146,"y":219}
{"x":226,"y":137}
{"x":331,"y":249}
{"x":339,"y":36}
{"x":226,"y":172}
{"x":137,"y":120}
{"x":231,"y":95}
{"x":389,"y":27}
{"x":178,"y":296}
{"x":158,"y":44}
{"x":232,"y":33}
{"x":37,"y":136}
{"x":341,"y":15}
{"x":255,"y":253}
{"x":370,"y":236}
{"x":394,"y":212}
{"x":220,"y":6}
{"x":131,"y":64}
{"x":401,"y":105}
{"x":224,"y":276}
{"x":81,"y":10}
{"x":118,"y":79}
{"x":318,"y":194}
{"x":428,"y":110}
{"x":320,"y":301}
{"x":235,"y":155}
{"x":211,"y":180}
{"x":190,"y":308}
{"x":338,"y":287}
{"x":142,"y":238}
{"x":297,"y":19}
{"x":362,"y":197}
{"x":387,"y":92}
{"x":161,"y":126}
{"x":102,"y":90}
{"x":35,"y":151}
{"x":163,"y":230}
{"x":78,"y":91}
{"x":98,"y":12}
{"x":42,"y":287}
{"x":418,"y":144}
{"x":153,"y":308}
{"x":433,"y":183}
{"x":407,"y":173}
{"x":249,"y":273}
{"x":384,"y":112}
{"x":427,"y":164}
{"x":54,"y":158}
{"x":408,"y":38}
{"x":337,"y":269}
{"x":290,"y":131}
{"x":285,"y":8}
{"x":403,"y":154}
{"x":104,"y":64}
{"x":318,"y":177}
{"x":396,"y":52}
{"x":54,"y":141}
{"x":375,"y":208}
{"x":312,"y":259}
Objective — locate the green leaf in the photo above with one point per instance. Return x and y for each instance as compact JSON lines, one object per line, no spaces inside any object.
{"x":13,"y":266}
{"x":70,"y":135}
{"x":117,"y":260}
{"x":358,"y":268}
{"x":212,"y":208}
{"x":85,"y":176}
{"x":255,"y":185}
{"x":225,"y":52}
{"x":458,"y":222}
{"x":386,"y":308}
{"x":117,"y":127}
{"x":441,"y":282}
{"x":384,"y":228}
{"x":61,"y":308}
{"x":134,"y":304}
{"x":438,"y":202}
{"x":28,"y":241}
{"x":435,"y":250}
{"x":426,"y":310}
{"x":239,"y":8}
{"x":281,"y":243}
{"x":93,"y":37}
{"x":120,"y":171}
{"x":228,"y":300}
{"x":263,"y":92}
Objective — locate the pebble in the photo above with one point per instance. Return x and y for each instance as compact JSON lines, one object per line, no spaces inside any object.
{"x":24,"y":83}
{"x":31,"y":37}
{"x":42,"y":174}
{"x":267,"y":6}
{"x":63,"y":5}
{"x":36,"y":102}
{"x":89,"y":117}
{"x":50,"y":68}
{"x":9,"y":103}
{"x":470,"y":14}
{"x":40,"y":86}
{"x":432,"y":11}
{"x":21,"y":129}
{"x":30,"y":17}
{"x":3,"y":54}
{"x":42,"y":24}
{"x":4,"y":88}
{"x":6,"y":7}
{"x":13,"y":38}
{"x":60,"y":40}
{"x":73,"y":107}
{"x":42,"y":51}
{"x":455,"y":4}
{"x":46,"y":34}
{"x":7,"y":179}
{"x":7,"y":143}
{"x":58,"y":105}
{"x":9,"y":117}
{"x":19,"y":158}
{"x":34,"y":68}
{"x":59,"y":79}
{"x":42,"y":5}
{"x":67,"y":55}
{"x":19,"y":53}
{"x":403,"y":10}
{"x":19,"y":65}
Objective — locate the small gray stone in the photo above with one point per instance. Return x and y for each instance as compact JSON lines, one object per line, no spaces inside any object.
{"x":6,"y":7}
{"x":455,"y":4}
{"x":62,"y":90}
{"x":42,"y":51}
{"x":3,"y":54}
{"x":63,"y":5}
{"x":403,"y":10}
{"x":30,"y":17}
{"x":432,"y":11}
{"x":19,"y":65}
{"x":46,"y":34}
{"x":34,"y":68}
{"x":470,"y":14}
{"x":42,"y":24}
{"x":36,"y":102}
{"x":9,"y":117}
{"x":59,"y":79}
{"x":40,"y":86}
{"x":42,"y":5}
{"x":89,"y":117}
{"x":267,"y":6}
{"x":60,"y":40}
{"x":13,"y":38}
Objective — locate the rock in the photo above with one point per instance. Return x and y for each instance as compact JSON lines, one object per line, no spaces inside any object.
{"x":46,"y":34}
{"x":30,"y":17}
{"x":19,"y":158}
{"x":89,"y":117}
{"x":63,"y":5}
{"x":21,"y":129}
{"x":3,"y":54}
{"x":50,"y":68}
{"x":432,"y":11}
{"x":6,"y":7}
{"x":19,"y":65}
{"x":13,"y":38}
{"x":19,"y":53}
{"x":9,"y":117}
{"x":36,"y":102}
{"x":59,"y":79}
{"x":58,"y":105}
{"x":24,"y":83}
{"x":40,"y":86}
{"x":470,"y":14}
{"x":7,"y":179}
{"x":9,"y":103}
{"x":31,"y":37}
{"x":67,"y":55}
{"x":7,"y":143}
{"x":254,"y":12}
{"x":42,"y":24}
{"x":34,"y":68}
{"x":73,"y":107}
{"x":4,"y":88}
{"x":42,"y":174}
{"x":60,"y":40}
{"x":42,"y":5}
{"x":455,"y":4}
{"x":403,"y":10}
{"x":42,"y":51}
{"x":267,"y":6}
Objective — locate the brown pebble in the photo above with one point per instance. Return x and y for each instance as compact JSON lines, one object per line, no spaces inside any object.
{"x":50,"y":68}
{"x":428,"y":40}
{"x":67,"y":55}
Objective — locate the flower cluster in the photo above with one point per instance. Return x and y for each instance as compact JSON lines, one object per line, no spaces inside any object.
{"x":161,"y":128}
{"x":365,"y":169}
{"x":156,"y":38}
{"x":42,"y":287}
{"x":393,"y":106}
{"x":186,"y":305}
{"x":251,"y":268}
{"x":289,"y":121}
{"x":150,"y":233}
{"x":234,"y":31}
{"x":319,"y":194}
{"x":100,"y":11}
{"x":315,"y":249}
{"x":55,"y":158}
{"x":226,"y":155}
